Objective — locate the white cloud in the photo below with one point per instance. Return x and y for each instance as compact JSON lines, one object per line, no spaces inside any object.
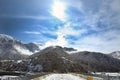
{"x":69,"y":30}
{"x":104,"y":42}
{"x":60,"y":41}
{"x":62,"y":32}
{"x":32,"y":32}
{"x":105,"y":39}
{"x":108,"y":14}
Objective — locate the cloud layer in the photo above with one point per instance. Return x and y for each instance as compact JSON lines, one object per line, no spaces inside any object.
{"x":89,"y":25}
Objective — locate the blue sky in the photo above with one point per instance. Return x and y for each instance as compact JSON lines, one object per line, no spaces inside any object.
{"x":92,"y":25}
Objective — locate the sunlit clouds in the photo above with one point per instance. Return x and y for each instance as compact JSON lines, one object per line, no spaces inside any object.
{"x":58,"y":10}
{"x":82,"y":24}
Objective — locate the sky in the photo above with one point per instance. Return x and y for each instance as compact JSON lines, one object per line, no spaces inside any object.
{"x":92,"y":25}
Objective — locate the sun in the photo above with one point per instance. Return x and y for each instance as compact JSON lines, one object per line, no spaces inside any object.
{"x":58,"y":10}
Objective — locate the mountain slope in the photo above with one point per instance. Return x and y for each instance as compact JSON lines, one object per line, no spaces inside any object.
{"x":10,"y":48}
{"x":95,"y":61}
{"x":115,"y":54}
{"x":55,"y":59}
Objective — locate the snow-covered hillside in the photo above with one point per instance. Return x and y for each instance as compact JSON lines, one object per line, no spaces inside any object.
{"x":115,"y":54}
{"x":10,"y":48}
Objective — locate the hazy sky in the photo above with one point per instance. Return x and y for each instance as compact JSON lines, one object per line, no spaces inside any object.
{"x":92,"y":25}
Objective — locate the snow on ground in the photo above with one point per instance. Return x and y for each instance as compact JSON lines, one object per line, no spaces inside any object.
{"x":107,"y":74}
{"x":113,"y":74}
{"x":70,"y":76}
{"x":63,"y":77}
{"x":8,"y":77}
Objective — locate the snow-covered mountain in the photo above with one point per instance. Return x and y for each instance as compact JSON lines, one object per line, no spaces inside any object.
{"x":10,"y":48}
{"x":115,"y":54}
{"x":57,"y":58}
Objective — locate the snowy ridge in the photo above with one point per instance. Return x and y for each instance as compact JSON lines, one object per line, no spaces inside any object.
{"x":22,"y":50}
{"x":3,"y":36}
{"x":15,"y":49}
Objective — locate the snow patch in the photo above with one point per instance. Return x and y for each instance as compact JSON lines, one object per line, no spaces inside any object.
{"x":36,"y":51}
{"x":66,"y":59}
{"x":106,"y":73}
{"x":72,"y":52}
{"x":63,"y":77}
{"x":8,"y":77}
{"x":19,"y":61}
{"x":113,"y":74}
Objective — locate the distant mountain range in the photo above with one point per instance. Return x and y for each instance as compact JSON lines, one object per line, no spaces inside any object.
{"x":10,"y":48}
{"x":95,"y":61}
{"x":56,"y":58}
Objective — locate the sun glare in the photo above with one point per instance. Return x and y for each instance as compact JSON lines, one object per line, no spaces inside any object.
{"x":58,"y":10}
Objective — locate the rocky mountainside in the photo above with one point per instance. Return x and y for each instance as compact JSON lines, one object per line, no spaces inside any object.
{"x":91,"y":61}
{"x":10,"y":48}
{"x":55,"y":59}
{"x":115,"y":54}
{"x":65,"y":49}
{"x":95,"y":61}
